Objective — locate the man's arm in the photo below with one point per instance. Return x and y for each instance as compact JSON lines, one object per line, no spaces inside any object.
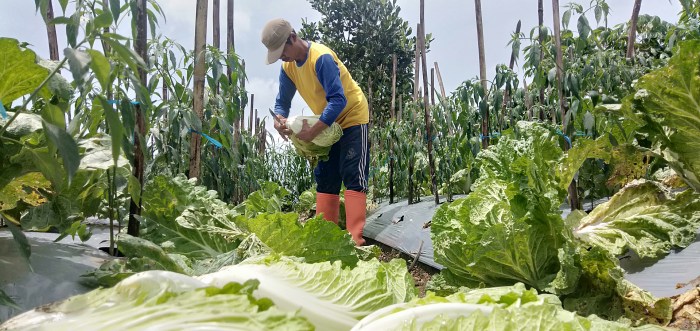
{"x":283,"y":102}
{"x":328,"y":74}
{"x":285,"y":94}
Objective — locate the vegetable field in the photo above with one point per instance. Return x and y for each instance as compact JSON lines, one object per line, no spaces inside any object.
{"x":208,"y":218}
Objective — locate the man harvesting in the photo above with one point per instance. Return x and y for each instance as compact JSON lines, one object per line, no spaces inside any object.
{"x":326,"y":86}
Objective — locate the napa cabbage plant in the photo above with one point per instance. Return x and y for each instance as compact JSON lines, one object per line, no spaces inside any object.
{"x":319,"y":147}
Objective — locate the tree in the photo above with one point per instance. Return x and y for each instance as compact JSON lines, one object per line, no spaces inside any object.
{"x":347,"y":27}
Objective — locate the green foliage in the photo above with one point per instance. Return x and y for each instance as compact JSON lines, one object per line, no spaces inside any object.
{"x":20,"y":74}
{"x":346,"y":26}
{"x":666,"y":107}
{"x":316,"y":240}
{"x":494,"y":235}
{"x":161,"y":300}
{"x":643,"y":217}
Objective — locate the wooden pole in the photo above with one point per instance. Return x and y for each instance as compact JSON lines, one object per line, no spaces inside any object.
{"x":573,"y":191}
{"x":51,"y":32}
{"x":216,"y":34}
{"x":416,"y":77}
{"x":632,"y":34}
{"x":250,"y":117}
{"x":443,"y":97}
{"x":540,"y":17}
{"x":439,"y":78}
{"x":426,"y":104}
{"x":507,"y":96}
{"x":528,"y":101}
{"x":141,"y":49}
{"x":482,"y":73}
{"x":200,"y":71}
{"x":393,"y":117}
{"x":432,"y":86}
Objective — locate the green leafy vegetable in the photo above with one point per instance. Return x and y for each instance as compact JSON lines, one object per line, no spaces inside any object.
{"x":330,"y":296}
{"x":667,"y":106}
{"x":160,"y":300}
{"x":643,"y":217}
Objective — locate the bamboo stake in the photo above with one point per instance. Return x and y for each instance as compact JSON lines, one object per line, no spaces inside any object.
{"x":416,"y":77}
{"x":426,"y":104}
{"x":141,"y":49}
{"x":443,"y":98}
{"x":393,"y":117}
{"x":432,"y":86}
{"x":250,"y":117}
{"x":632,"y":34}
{"x":482,"y":73}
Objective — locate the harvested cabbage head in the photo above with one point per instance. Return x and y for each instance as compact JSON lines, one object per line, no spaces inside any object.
{"x":317,"y":149}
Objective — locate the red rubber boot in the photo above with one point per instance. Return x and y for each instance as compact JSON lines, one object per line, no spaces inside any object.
{"x":328,"y":205}
{"x":355,"y":212}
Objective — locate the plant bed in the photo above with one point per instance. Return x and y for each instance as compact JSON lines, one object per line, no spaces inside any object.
{"x":421,"y":272}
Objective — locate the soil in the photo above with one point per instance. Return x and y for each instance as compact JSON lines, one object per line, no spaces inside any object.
{"x":686,"y":310}
{"x":421,"y":273}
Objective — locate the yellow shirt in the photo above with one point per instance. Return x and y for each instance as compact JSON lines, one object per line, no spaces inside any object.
{"x":305,"y":79}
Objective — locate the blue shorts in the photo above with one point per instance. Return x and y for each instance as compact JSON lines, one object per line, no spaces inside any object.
{"x":348,"y":162}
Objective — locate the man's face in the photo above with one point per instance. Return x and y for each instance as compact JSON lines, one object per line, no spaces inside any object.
{"x":288,"y":51}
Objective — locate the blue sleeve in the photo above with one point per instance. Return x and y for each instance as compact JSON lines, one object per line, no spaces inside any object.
{"x":285,"y":95}
{"x":328,"y":74}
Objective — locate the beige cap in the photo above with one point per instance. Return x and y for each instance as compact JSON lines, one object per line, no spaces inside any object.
{"x":274,"y":36}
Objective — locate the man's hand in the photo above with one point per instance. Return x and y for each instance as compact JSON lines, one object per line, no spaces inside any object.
{"x":308,"y":133}
{"x":281,"y":127}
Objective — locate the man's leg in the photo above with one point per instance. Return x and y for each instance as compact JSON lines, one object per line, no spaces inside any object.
{"x":354,"y":168}
{"x":328,"y":186}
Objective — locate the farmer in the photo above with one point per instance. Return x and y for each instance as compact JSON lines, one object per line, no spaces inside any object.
{"x":326,"y":86}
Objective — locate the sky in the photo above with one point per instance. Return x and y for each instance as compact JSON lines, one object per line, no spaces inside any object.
{"x":451,"y":22}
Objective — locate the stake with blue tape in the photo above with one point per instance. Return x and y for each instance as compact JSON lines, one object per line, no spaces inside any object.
{"x":213,"y":141}
{"x":3,"y":112}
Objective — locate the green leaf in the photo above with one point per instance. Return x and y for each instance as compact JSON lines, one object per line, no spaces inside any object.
{"x":19,"y":73}
{"x":115,"y":7}
{"x":645,"y":218}
{"x":134,"y":189}
{"x":67,"y":148}
{"x":61,"y":20}
{"x":552,"y":76}
{"x":316,"y":240}
{"x":158,"y":300}
{"x":667,"y":104}
{"x":78,"y":62}
{"x":330,"y":295}
{"x":189,"y":217}
{"x":103,"y":20}
{"x":116,"y":129}
{"x":136,"y":247}
{"x":583,"y":27}
{"x":25,"y":248}
{"x":5,"y":300}
{"x":72,"y":32}
{"x":48,"y":165}
{"x":24,"y":188}
{"x":125,"y":54}
{"x":101,"y":67}
{"x":566,"y":18}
